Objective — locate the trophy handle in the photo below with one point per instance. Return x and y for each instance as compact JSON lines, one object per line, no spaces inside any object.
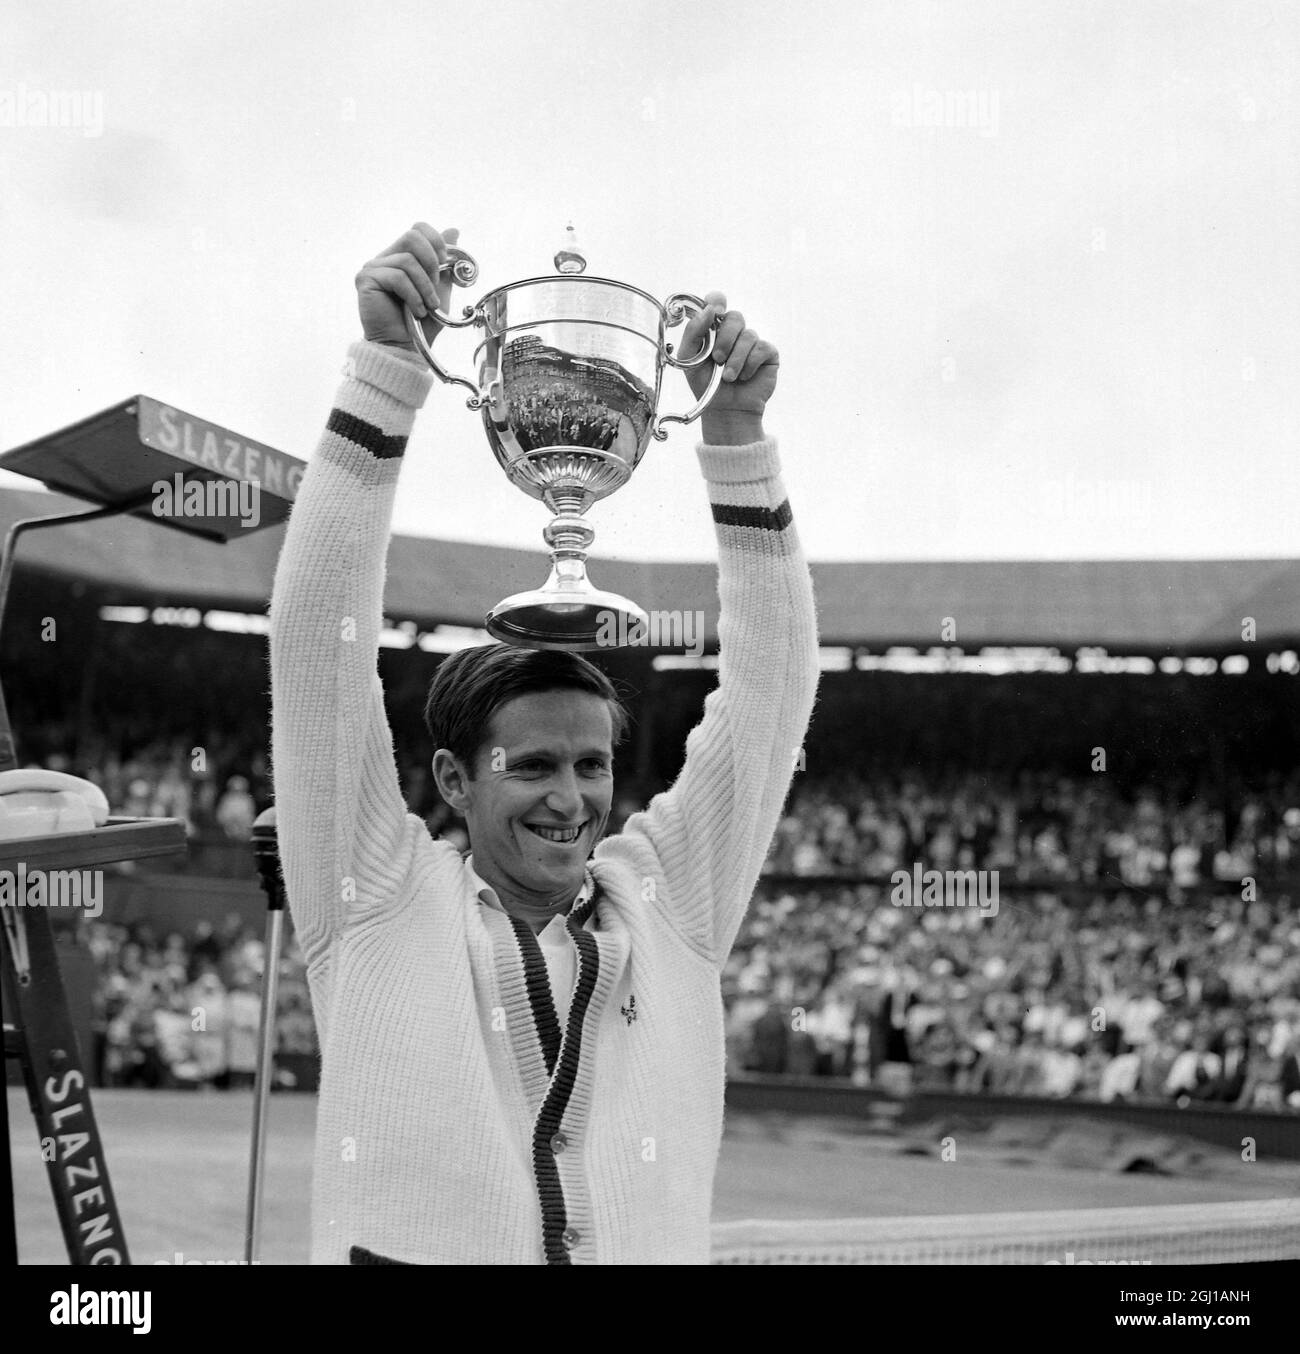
{"x":464,"y":271}
{"x":676,"y":308}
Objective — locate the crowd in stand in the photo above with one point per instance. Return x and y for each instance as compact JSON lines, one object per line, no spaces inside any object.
{"x":1104,"y":997}
{"x":176,"y":1011}
{"x":216,"y":786}
{"x":1183,"y":986}
{"x":1039,"y":826}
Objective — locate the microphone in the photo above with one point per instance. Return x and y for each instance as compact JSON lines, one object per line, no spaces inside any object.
{"x":266,"y":851}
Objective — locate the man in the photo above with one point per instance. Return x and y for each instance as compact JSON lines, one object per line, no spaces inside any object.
{"x":1233,"y":1051}
{"x":522,"y":1050}
{"x":1194,"y":1069}
{"x":1289,"y":1076}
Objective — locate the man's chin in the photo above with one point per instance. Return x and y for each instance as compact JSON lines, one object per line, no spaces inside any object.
{"x":549,"y":876}
{"x":552,"y":874}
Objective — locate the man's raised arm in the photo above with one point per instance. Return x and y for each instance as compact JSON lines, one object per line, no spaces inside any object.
{"x":709,"y":833}
{"x":338,"y":800}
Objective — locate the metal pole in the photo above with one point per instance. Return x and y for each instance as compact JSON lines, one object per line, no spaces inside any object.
{"x":266,"y":849}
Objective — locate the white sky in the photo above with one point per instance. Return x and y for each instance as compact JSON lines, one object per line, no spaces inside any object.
{"x":1071,"y":334}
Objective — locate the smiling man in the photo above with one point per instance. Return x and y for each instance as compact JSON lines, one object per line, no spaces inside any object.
{"x":522,"y":1049}
{"x":525,"y":743}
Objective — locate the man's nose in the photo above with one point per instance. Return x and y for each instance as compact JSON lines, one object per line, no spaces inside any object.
{"x":564,"y":796}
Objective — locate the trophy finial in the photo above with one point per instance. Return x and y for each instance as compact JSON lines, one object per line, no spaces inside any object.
{"x":569,"y":258}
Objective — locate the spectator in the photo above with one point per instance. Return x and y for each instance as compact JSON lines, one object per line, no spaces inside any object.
{"x":1288,"y":1076}
{"x":243,"y":1017}
{"x":173,"y":1038}
{"x":207,"y":998}
{"x":236,"y":810}
{"x":1194,"y":1070}
{"x":1119,"y":1077}
{"x":1233,"y":1055}
{"x":771,"y":1042}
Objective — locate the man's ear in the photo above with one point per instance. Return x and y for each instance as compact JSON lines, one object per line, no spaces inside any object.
{"x":451,"y":778}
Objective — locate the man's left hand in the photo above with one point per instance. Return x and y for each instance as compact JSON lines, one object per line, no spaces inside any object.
{"x":735,"y":414}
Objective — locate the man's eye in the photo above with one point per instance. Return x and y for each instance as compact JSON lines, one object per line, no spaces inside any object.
{"x":594,"y":766}
{"x":529,"y":768}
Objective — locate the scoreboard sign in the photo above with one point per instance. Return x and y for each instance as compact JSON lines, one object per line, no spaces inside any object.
{"x":197,"y":442}
{"x":152,"y":460}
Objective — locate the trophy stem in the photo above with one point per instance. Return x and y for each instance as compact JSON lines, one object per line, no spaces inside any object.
{"x":566,"y":612}
{"x":568,"y":535}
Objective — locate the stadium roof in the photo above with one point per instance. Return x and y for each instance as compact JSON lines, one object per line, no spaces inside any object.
{"x":1135,"y":606}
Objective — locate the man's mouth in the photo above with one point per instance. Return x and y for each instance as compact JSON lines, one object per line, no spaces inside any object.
{"x":563,"y":835}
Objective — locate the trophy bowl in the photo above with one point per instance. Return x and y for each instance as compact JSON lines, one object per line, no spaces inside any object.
{"x":569,"y":376}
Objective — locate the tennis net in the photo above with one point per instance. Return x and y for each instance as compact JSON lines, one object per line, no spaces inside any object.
{"x":1254,"y":1230}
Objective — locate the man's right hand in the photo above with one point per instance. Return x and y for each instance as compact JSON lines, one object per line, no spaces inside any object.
{"x":406,"y":273}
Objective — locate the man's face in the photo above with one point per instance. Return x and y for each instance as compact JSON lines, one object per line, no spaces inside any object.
{"x":542,"y":790}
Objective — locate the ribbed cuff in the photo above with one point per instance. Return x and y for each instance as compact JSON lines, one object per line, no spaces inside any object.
{"x":384,"y":369}
{"x":742,"y":464}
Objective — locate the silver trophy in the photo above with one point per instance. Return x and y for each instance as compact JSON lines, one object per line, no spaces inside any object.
{"x":569,"y":369}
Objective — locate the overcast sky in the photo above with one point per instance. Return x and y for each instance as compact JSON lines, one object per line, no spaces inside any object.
{"x":1066,"y":331}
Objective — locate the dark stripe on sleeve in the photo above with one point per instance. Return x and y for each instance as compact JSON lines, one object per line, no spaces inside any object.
{"x":769,"y":519}
{"x":378,"y":443}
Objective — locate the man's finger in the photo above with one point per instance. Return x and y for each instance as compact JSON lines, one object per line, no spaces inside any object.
{"x":739,"y":354}
{"x":733,"y":325}
{"x":416,"y":271}
{"x":759,"y":356}
{"x":442,"y":241}
{"x":715,"y":304}
{"x":397,"y":281}
{"x":435,"y":239}
{"x":430,"y":257}
{"x":694,"y":333}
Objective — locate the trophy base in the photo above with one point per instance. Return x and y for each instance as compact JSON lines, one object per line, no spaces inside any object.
{"x":580,"y":620}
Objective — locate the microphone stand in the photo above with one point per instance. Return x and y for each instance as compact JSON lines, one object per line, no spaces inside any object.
{"x":267,"y":853}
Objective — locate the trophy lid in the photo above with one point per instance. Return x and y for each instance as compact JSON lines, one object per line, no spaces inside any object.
{"x":569,"y":258}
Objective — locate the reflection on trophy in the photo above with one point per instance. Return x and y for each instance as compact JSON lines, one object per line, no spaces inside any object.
{"x":568,"y":382}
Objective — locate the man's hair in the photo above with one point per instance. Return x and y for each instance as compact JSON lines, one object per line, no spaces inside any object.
{"x":472,"y":684}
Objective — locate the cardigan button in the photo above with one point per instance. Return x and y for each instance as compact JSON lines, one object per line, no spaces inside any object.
{"x":570,"y":1238}
{"x":558,"y":1143}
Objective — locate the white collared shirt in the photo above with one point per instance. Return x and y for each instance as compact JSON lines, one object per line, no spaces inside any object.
{"x":558,"y":949}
